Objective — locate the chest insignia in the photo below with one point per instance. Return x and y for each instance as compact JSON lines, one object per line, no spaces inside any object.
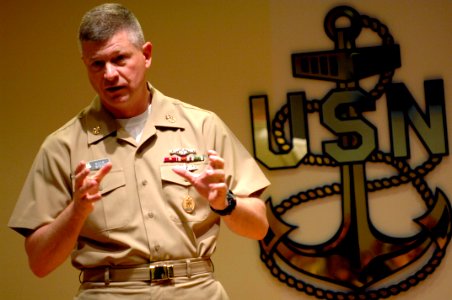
{"x":182,"y":151}
{"x":188,"y":158}
{"x":183,"y":155}
{"x":188,"y":204}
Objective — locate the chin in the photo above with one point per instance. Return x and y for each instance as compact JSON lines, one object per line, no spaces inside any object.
{"x":117,"y":100}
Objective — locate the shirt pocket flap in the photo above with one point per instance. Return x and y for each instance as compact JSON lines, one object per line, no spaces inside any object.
{"x":113,"y":180}
{"x":167,"y":174}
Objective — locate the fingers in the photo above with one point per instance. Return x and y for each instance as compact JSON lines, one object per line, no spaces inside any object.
{"x":87,"y":187}
{"x":219,"y":187}
{"x":213,"y":173}
{"x":215,"y":161}
{"x":100,"y":174}
{"x":210,"y":182}
{"x":81,"y":172}
{"x":181,"y":171}
{"x":90,"y":190}
{"x":216,"y":175}
{"x":217,"y":194}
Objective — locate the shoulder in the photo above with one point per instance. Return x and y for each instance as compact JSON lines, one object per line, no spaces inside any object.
{"x":65,"y":134}
{"x":169,"y":105}
{"x":182,"y":105}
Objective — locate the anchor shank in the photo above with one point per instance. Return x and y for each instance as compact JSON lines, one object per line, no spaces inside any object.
{"x":355,"y":214}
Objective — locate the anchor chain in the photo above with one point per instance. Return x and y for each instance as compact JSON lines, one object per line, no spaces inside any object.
{"x":406,"y":175}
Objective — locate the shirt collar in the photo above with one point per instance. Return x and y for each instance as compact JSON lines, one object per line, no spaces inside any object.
{"x":165,"y":113}
{"x":100,"y":123}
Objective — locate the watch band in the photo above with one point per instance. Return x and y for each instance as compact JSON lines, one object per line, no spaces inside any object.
{"x":232,"y":202}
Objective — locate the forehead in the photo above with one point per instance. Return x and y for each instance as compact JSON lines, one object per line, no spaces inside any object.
{"x":120,"y":42}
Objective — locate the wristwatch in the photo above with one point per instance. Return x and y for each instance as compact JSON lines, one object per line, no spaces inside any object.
{"x":231,"y":205}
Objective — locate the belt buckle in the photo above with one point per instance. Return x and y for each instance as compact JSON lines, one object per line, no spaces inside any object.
{"x":161,"y":272}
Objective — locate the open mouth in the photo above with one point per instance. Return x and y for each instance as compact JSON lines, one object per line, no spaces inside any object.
{"x":113,"y":89}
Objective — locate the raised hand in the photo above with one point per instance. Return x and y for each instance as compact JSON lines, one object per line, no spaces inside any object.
{"x":87,"y":187}
{"x":211,"y":182}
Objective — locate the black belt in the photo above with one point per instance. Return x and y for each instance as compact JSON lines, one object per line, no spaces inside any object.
{"x":157,"y":271}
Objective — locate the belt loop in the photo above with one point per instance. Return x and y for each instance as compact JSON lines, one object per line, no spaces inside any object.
{"x":188,"y":266}
{"x":107,"y":276}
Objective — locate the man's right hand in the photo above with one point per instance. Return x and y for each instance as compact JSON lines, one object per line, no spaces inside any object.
{"x":87,"y":186}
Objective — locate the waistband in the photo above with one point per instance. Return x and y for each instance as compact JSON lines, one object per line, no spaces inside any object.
{"x":156,"y":271}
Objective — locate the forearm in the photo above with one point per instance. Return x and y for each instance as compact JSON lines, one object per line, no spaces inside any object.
{"x":50,"y":245}
{"x":249,"y":218}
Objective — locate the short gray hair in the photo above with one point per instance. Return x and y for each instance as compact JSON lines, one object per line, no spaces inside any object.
{"x":102,"y":22}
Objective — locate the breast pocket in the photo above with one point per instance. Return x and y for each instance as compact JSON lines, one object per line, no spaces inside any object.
{"x":183,"y":201}
{"x":113,"y":211}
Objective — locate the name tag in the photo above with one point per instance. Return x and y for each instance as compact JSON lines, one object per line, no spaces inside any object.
{"x":95,"y":165}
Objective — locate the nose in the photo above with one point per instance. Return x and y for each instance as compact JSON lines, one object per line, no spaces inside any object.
{"x":110,"y":72}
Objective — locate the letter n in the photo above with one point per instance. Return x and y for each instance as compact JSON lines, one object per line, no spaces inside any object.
{"x":403,"y":111}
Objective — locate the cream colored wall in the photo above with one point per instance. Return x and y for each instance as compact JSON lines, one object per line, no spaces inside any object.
{"x":214,"y":54}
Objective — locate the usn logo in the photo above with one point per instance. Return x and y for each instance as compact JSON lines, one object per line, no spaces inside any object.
{"x":359,"y":260}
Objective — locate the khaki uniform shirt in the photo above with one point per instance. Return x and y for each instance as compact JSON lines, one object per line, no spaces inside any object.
{"x":141,"y":216}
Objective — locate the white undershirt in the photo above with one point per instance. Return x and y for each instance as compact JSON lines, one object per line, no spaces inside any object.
{"x":135,"y":125}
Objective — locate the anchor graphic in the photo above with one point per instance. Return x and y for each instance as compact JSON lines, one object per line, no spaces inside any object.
{"x":355,"y":262}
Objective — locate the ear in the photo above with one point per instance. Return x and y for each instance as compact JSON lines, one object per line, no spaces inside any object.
{"x":147,"y":52}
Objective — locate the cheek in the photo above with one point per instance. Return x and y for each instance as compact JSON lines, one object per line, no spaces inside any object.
{"x":134,"y":75}
{"x":95,"y":81}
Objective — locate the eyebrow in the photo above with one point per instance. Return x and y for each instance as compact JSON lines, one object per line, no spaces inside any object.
{"x":116,"y":52}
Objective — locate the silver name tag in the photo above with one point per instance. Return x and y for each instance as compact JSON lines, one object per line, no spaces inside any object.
{"x":95,"y":165}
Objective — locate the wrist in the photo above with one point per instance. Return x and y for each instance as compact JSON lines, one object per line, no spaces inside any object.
{"x":232,"y":202}
{"x":81,"y":211}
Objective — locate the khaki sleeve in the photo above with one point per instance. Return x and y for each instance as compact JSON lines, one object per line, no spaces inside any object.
{"x":243,"y":174}
{"x":47,"y":189}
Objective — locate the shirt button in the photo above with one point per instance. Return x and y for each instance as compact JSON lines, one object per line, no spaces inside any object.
{"x":144,"y":182}
{"x":150,"y":215}
{"x":157,"y":247}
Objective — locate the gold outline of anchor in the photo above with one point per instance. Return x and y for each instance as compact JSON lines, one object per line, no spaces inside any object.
{"x":367,"y":260}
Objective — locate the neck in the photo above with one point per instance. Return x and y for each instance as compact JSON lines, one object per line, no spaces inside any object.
{"x":137,"y":108}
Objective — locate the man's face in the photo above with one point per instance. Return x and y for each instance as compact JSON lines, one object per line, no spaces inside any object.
{"x":117,"y":71}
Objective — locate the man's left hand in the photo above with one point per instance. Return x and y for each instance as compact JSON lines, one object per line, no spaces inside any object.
{"x":211,"y":182}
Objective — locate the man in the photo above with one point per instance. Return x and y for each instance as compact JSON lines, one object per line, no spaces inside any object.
{"x":134,"y":187}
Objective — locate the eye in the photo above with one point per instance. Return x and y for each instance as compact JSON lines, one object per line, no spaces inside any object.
{"x":97,"y":65}
{"x":120,"y":59}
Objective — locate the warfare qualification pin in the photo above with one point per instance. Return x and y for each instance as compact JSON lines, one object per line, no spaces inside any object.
{"x":188,"y":204}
